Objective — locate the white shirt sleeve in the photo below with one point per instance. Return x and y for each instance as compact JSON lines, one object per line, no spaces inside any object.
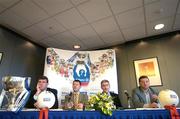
{"x":35,"y":97}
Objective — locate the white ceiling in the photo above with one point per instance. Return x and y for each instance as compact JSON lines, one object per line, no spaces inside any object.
{"x":89,"y":23}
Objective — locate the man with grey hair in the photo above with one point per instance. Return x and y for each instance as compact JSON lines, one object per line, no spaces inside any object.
{"x":105,"y":86}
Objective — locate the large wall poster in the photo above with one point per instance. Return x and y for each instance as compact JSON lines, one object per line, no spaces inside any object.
{"x":150,"y":68}
{"x":90,"y":67}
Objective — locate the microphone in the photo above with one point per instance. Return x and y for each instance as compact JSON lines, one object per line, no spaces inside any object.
{"x":127,"y":94}
{"x":128,"y":98}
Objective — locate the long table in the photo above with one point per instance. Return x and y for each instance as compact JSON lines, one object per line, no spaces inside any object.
{"x":120,"y":114}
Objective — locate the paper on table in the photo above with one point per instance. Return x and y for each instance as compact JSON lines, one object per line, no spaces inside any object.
{"x":34,"y":109}
{"x":150,"y":108}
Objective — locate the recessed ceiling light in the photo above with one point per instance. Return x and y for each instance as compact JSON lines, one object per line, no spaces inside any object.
{"x":77,"y":46}
{"x":159,"y":26}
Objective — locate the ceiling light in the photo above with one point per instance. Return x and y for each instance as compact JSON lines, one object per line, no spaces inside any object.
{"x":159,"y":26}
{"x":77,"y":46}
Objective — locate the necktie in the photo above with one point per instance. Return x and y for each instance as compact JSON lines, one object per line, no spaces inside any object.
{"x":76,"y":99}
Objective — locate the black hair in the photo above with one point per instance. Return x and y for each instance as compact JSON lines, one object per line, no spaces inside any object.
{"x":77,"y":81}
{"x":43,"y":78}
{"x":142,"y":77}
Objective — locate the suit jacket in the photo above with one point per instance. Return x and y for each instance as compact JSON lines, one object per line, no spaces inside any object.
{"x":31,"y":101}
{"x":116,"y":99}
{"x":83,"y":98}
{"x":139,"y":98}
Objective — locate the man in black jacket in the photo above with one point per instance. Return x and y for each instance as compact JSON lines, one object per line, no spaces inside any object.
{"x":41,"y":86}
{"x":105,"y":86}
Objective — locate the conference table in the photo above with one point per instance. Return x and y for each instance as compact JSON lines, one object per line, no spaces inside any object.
{"x":118,"y":114}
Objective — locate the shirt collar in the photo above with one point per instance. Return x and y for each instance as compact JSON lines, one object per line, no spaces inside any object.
{"x":108,"y":93}
{"x":146,"y":91}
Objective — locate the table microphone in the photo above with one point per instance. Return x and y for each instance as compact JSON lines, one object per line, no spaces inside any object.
{"x":127,"y":94}
{"x":128,"y":98}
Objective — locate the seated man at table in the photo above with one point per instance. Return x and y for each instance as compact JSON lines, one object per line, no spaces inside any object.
{"x":145,"y":96}
{"x":105,"y":86}
{"x":41,"y":86}
{"x":76,"y":99}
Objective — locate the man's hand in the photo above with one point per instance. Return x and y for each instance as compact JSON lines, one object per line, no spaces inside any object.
{"x":36,"y":105}
{"x":153,"y":105}
{"x":38,"y":90}
{"x":154,"y":98}
{"x":80,"y":106}
{"x":69,"y":105}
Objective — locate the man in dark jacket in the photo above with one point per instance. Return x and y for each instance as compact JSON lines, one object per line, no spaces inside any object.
{"x":41,"y":86}
{"x":105,"y":86}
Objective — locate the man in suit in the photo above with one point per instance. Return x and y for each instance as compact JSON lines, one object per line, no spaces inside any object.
{"x":41,"y":86}
{"x":105,"y":86}
{"x":76,"y":99}
{"x":144,"y":96}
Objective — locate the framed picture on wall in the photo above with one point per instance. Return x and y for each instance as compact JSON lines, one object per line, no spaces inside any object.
{"x":1,"y":55}
{"x":150,"y":68}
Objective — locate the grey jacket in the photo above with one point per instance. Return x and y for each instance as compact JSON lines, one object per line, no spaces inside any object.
{"x":139,"y":98}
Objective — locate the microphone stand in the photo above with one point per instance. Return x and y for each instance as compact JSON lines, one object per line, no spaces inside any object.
{"x":128,"y":98}
{"x":129,"y":102}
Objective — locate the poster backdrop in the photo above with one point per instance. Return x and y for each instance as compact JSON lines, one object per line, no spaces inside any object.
{"x":90,"y":67}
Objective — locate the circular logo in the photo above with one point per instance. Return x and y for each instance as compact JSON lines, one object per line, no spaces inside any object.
{"x":168,"y":97}
{"x":46,"y":99}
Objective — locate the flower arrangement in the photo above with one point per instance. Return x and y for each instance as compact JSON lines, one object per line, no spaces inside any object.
{"x":102,"y":102}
